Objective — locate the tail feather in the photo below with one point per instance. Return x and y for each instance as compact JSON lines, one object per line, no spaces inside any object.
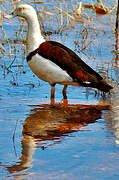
{"x":102,"y":86}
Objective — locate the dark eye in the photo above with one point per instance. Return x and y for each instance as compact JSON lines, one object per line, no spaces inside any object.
{"x":21,"y":8}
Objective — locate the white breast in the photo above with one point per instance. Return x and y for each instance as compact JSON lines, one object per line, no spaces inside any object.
{"x":48,"y":71}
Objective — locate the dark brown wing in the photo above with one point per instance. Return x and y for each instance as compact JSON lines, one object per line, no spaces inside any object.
{"x":71,"y":63}
{"x":68,"y":61}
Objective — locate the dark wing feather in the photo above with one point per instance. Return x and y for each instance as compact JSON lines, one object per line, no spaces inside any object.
{"x":72,"y":64}
{"x":68,"y":61}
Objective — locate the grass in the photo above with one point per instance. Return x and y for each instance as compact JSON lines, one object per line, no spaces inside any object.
{"x":59,"y":20}
{"x":66,"y":18}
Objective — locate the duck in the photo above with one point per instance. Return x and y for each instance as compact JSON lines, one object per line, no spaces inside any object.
{"x":53,"y":62}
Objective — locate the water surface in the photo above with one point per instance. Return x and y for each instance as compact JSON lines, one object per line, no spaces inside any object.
{"x":38,"y":141}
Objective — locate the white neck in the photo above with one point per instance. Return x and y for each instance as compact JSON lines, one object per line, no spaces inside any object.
{"x":34,"y":37}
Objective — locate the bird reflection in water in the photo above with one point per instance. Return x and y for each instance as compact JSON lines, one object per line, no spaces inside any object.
{"x":46,"y":125}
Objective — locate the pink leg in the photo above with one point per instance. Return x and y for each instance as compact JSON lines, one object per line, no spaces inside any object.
{"x":52,"y":98}
{"x":65,"y":101}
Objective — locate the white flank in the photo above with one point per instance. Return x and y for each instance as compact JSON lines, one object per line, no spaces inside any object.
{"x":49,"y":71}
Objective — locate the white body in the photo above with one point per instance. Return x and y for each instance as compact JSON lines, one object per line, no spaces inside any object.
{"x":48,"y":71}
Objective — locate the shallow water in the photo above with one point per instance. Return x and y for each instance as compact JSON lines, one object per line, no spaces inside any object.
{"x":38,"y":141}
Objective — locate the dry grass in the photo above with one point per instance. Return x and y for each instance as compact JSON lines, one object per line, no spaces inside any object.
{"x":59,"y":19}
{"x":66,"y":17}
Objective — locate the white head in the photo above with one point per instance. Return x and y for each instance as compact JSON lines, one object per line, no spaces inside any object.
{"x":24,"y":10}
{"x":34,"y":37}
